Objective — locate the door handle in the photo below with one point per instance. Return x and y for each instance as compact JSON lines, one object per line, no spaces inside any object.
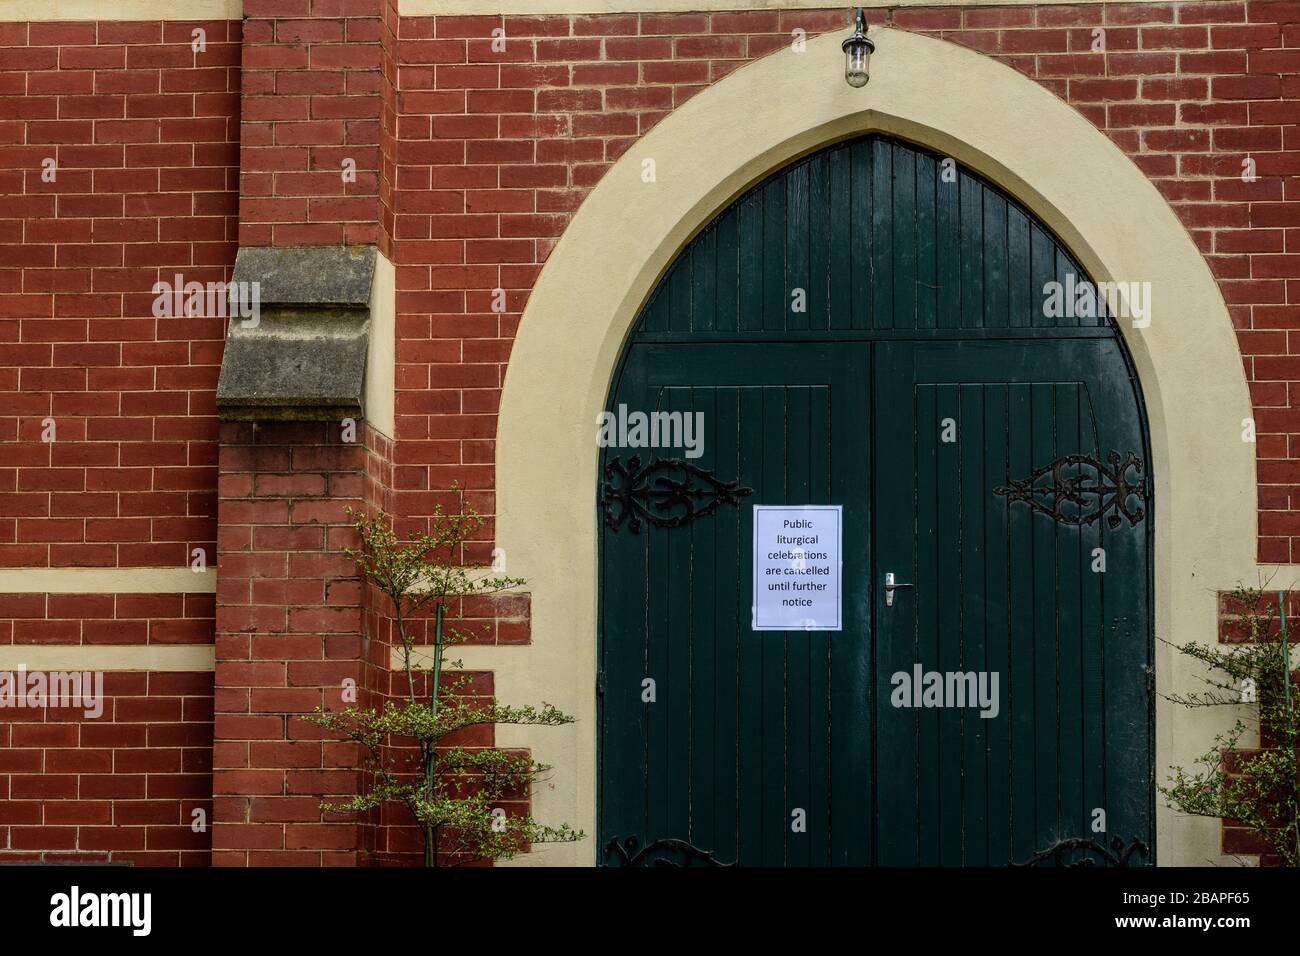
{"x":890,"y":587}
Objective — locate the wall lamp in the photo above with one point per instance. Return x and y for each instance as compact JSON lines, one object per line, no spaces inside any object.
{"x":857,"y":53}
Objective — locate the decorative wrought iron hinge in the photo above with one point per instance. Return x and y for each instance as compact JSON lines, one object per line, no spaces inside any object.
{"x":668,"y":493}
{"x":629,"y":852}
{"x":1116,"y":854}
{"x":1080,"y":490}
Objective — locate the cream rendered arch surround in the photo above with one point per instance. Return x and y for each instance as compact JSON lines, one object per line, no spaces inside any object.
{"x":706,"y":153}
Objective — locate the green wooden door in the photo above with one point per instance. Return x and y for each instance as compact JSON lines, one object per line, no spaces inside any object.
{"x":735,"y":729}
{"x":1033,"y":579}
{"x":865,"y":329}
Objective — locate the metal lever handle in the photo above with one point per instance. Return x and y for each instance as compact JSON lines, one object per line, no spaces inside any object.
{"x":890,"y":587}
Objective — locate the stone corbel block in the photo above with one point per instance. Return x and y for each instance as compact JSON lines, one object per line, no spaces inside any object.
{"x":301,"y":355}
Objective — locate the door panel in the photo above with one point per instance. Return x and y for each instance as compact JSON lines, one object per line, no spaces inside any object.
{"x":1002,"y":587}
{"x":882,"y":236}
{"x":745,"y":727}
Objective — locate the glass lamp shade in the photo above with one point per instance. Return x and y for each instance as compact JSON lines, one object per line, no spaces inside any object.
{"x":857,"y":60}
{"x":857,"y":52}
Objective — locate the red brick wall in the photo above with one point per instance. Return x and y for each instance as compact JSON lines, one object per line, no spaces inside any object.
{"x":312,"y":99}
{"x":496,"y":151}
{"x":43,"y":619}
{"x":122,"y":787}
{"x":143,"y":131}
{"x":288,"y":636}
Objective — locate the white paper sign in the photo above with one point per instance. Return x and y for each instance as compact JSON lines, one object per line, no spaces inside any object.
{"x":797,"y":567}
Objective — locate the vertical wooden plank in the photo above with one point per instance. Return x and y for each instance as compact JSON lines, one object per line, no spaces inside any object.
{"x":706,"y":557}
{"x":820,"y":278}
{"x":853,"y":697}
{"x":1071,"y":277}
{"x":1092,"y":627}
{"x":1042,"y":270}
{"x":658,"y":628}
{"x":732,"y":549}
{"x":1020,"y":688}
{"x":903,"y":229}
{"x":996,"y":277}
{"x":997,"y":628}
{"x":1102,"y":315}
{"x":679,"y":639}
{"x":882,"y":234}
{"x":680,"y":289}
{"x":972,"y":252}
{"x":947,"y":595}
{"x":624,"y":741}
{"x":797,"y":240}
{"x":819,"y":650}
{"x":774,"y":643}
{"x":727,"y":295}
{"x":1046,"y":649}
{"x":750,"y":793}
{"x":655,"y":316}
{"x":973,"y":441}
{"x":843,"y":286}
{"x":859,"y":273}
{"x":922,"y":762}
{"x":801,"y":446}
{"x":927,"y":266}
{"x":750,"y":220}
{"x":948,"y":246}
{"x":704,"y":272}
{"x":1070,"y":570}
{"x":776,"y":280}
{"x":1024,"y":302}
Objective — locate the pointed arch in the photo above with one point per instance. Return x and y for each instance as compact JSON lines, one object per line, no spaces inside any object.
{"x":763,"y":116}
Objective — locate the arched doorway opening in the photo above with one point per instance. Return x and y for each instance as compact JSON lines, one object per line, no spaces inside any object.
{"x":871,"y":329}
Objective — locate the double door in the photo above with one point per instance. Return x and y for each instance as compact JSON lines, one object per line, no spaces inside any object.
{"x":991,"y":707}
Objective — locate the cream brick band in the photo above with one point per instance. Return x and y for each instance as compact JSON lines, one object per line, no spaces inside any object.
{"x":107,"y":581}
{"x":107,"y":657}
